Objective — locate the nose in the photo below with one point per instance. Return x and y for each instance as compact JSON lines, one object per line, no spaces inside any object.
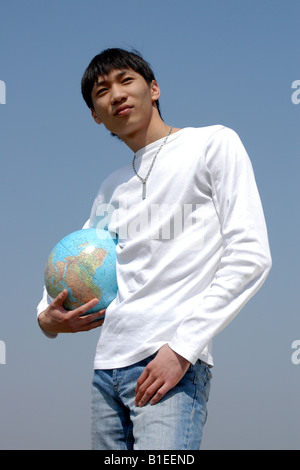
{"x":118,"y":94}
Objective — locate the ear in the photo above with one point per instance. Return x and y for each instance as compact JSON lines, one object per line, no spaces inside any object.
{"x":96,"y":117}
{"x":155,"y":90}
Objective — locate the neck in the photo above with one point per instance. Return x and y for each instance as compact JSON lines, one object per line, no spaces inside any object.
{"x":156,"y":130}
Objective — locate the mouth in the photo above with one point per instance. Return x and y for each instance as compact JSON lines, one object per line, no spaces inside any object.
{"x":122,"y":110}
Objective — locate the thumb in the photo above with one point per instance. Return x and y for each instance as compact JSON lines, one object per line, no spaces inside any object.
{"x":59,"y":300}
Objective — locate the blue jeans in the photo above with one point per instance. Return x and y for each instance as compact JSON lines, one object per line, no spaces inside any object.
{"x":176,"y":422}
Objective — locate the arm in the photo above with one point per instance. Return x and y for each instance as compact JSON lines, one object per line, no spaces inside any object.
{"x":243,"y":267}
{"x":245,"y":261}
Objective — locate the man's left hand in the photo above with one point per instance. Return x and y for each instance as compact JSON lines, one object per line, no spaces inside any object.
{"x":159,"y":376}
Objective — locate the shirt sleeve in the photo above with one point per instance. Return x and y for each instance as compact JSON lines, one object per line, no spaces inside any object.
{"x":246,"y":259}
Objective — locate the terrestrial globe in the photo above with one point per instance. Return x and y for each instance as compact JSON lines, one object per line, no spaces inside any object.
{"x":84,"y":263}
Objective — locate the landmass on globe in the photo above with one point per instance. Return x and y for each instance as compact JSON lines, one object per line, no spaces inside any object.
{"x":75,"y":273}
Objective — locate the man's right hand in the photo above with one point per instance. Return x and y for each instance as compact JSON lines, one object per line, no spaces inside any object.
{"x":55,"y":319}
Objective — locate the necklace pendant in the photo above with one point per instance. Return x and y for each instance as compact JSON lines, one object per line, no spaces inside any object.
{"x":144,"y":180}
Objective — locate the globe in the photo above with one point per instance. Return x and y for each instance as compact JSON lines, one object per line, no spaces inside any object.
{"x":84,"y":263}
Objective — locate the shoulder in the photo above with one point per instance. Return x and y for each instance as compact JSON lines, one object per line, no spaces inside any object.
{"x":224,"y":150}
{"x":215,"y":139}
{"x":208,"y":136}
{"x":217,"y":132}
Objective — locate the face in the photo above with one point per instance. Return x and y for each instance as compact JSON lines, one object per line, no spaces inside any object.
{"x":124,"y":101}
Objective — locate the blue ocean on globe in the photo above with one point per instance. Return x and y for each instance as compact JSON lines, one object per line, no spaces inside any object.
{"x":84,"y":263}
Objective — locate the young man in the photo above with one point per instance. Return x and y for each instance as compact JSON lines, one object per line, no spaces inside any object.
{"x":192,"y":250}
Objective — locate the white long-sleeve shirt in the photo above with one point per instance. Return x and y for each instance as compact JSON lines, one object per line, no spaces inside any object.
{"x":190,"y":255}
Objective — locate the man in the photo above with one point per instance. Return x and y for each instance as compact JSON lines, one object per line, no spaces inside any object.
{"x":192,"y":250}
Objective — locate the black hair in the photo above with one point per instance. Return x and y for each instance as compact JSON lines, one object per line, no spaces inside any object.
{"x":114,"y":59}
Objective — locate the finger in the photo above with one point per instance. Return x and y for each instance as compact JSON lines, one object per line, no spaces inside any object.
{"x":83,"y":309}
{"x":59,"y":300}
{"x":91,"y":324}
{"x":95,"y":316}
{"x":142,"y":378}
{"x":140,"y":390}
{"x":144,"y":383}
{"x":160,"y":394}
{"x":149,"y":393}
{"x":99,"y":315}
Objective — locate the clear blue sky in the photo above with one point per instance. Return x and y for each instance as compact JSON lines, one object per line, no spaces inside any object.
{"x":218,"y":62}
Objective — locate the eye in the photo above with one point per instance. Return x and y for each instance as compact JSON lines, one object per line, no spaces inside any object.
{"x":101,"y":91}
{"x":127,"y":79}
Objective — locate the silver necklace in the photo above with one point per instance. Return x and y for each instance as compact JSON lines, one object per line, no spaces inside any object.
{"x":144,"y":180}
